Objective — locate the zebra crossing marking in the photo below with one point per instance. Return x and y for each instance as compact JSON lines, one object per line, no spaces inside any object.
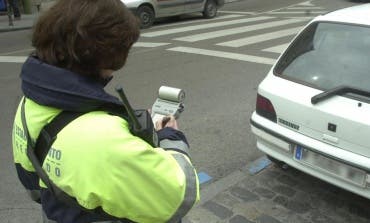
{"x":222,"y":54}
{"x":238,"y":30}
{"x":147,"y":44}
{"x":260,"y":38}
{"x":299,"y":4}
{"x":13,"y":59}
{"x":17,"y":51}
{"x":299,"y":17}
{"x":307,"y":3}
{"x":277,"y":49}
{"x":264,"y":20}
{"x":296,"y":12}
{"x":238,"y":12}
{"x":303,"y":8}
{"x":203,"y":26}
{"x":195,"y":21}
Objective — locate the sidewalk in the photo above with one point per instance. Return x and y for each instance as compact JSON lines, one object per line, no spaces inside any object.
{"x":276,"y":195}
{"x":26,"y":22}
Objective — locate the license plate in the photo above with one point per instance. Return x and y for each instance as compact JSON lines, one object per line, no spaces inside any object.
{"x":332,"y":166}
{"x":298,"y":152}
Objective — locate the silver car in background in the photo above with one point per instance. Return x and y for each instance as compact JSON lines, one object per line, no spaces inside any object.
{"x":149,"y":10}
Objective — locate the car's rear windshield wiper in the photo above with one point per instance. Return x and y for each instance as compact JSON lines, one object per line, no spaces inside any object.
{"x":338,"y":91}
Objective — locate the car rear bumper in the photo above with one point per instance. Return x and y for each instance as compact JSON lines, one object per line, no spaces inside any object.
{"x":281,"y":143}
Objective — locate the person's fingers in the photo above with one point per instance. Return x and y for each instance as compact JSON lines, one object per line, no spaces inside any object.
{"x":161,"y":123}
{"x":158,"y":125}
{"x":172,"y":123}
{"x":168,"y":121}
{"x":165,"y":120}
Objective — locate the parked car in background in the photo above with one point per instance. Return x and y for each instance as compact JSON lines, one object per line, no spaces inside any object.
{"x":313,"y":107}
{"x":149,"y":10}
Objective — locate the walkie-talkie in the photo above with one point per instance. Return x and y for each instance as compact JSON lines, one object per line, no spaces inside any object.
{"x":142,"y":124}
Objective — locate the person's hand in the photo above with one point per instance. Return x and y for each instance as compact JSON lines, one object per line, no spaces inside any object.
{"x":168,"y":121}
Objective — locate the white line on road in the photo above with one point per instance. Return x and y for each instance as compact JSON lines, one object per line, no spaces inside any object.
{"x":194,"y":21}
{"x":260,"y":38}
{"x":307,"y":3}
{"x":238,"y":30}
{"x":146,"y":44}
{"x":304,"y":8}
{"x":300,"y":17}
{"x":203,"y":26}
{"x":296,"y":12}
{"x":277,"y":49}
{"x":238,"y":12}
{"x":222,"y":54}
{"x":299,"y":4}
{"x":17,"y":51}
{"x":13,"y":59}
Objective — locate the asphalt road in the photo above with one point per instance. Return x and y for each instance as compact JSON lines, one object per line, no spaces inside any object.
{"x":220,"y":80}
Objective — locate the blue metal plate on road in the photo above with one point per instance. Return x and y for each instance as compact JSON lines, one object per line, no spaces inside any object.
{"x":203,"y":177}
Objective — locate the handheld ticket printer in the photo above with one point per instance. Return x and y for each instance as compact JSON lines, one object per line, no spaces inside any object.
{"x":169,"y":102}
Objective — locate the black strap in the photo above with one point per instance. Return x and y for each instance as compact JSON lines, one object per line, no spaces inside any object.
{"x":48,"y":134}
{"x":36,"y":161}
{"x":38,"y":152}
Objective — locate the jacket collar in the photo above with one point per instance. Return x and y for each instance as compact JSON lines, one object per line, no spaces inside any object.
{"x":57,"y":87}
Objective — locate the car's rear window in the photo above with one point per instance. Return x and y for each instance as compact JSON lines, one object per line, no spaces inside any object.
{"x":327,"y":55}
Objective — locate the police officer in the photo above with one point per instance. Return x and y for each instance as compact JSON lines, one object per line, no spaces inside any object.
{"x":95,"y":161}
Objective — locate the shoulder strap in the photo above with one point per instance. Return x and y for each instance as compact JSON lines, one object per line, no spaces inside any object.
{"x":49,"y":132}
{"x":37,"y":164}
{"x":38,"y":152}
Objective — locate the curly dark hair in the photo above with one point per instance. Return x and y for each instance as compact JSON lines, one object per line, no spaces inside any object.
{"x":86,"y":36}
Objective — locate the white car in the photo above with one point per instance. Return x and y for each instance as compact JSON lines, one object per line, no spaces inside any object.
{"x":313,"y":107}
{"x":149,"y":10}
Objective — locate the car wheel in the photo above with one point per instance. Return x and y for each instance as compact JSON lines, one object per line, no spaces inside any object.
{"x":146,"y":16}
{"x":210,"y":9}
{"x":277,"y":162}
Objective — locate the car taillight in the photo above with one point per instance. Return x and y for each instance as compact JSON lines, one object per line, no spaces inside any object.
{"x":265,"y":108}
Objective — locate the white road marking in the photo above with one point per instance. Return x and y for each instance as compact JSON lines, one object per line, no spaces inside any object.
{"x":297,"y":12}
{"x":194,"y":21}
{"x":260,"y":38}
{"x":300,"y":17}
{"x":203,"y":26}
{"x":17,"y":51}
{"x":238,"y":30}
{"x":222,"y":54}
{"x":299,"y":4}
{"x":146,"y":44}
{"x":308,"y":3}
{"x":13,"y":59}
{"x":237,"y":12}
{"x":303,"y":8}
{"x":277,"y":49}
